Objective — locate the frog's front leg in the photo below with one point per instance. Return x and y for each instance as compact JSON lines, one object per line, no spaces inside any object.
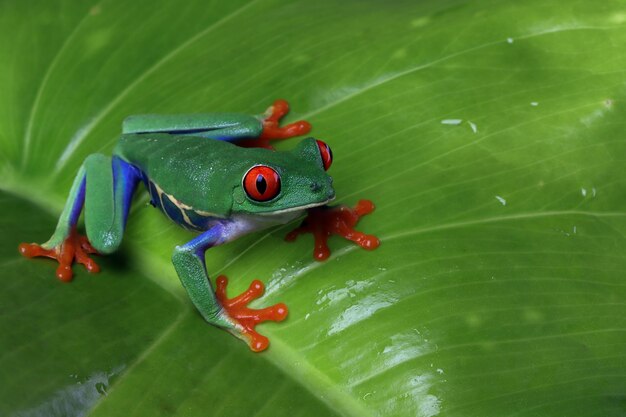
{"x":103,"y":187}
{"x":230,"y":314}
{"x":340,"y":220}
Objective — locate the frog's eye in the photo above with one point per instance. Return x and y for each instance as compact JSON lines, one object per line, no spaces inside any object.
{"x":261,"y":183}
{"x":326,"y":153}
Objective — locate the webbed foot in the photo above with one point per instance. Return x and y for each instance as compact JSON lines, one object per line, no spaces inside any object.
{"x":75,"y":247}
{"x":272,"y":130}
{"x":341,"y":220}
{"x":246,"y":317}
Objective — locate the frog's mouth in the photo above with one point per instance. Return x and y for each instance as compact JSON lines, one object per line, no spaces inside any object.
{"x":298,"y":208}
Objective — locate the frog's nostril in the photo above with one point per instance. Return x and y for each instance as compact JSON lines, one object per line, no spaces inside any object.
{"x":315,"y":186}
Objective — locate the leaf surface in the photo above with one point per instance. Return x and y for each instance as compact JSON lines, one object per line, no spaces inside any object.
{"x":489,"y":135}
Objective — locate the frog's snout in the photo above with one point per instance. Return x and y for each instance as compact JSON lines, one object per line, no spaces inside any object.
{"x":318,"y":187}
{"x":315,"y":186}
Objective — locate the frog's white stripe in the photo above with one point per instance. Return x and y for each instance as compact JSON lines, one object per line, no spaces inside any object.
{"x":273,"y":216}
{"x":293,"y":209}
{"x":182,"y":207}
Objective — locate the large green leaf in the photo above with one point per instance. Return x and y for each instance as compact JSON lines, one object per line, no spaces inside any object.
{"x":497,"y":290}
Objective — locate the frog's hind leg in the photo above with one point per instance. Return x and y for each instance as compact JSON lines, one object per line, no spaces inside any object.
{"x":218,"y":126}
{"x":107,"y":200}
{"x":104,"y":188}
{"x":243,"y":130}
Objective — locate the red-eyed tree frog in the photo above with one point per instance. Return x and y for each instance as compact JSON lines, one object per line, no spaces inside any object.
{"x":211,"y":174}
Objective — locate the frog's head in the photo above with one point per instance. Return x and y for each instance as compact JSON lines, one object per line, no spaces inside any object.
{"x":282,"y":182}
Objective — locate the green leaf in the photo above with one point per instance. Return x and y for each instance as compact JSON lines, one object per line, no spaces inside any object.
{"x":489,"y":135}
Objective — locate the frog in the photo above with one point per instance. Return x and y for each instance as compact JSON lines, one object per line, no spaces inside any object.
{"x":214,"y":174}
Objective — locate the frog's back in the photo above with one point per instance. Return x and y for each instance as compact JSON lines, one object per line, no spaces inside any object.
{"x":192,"y":170}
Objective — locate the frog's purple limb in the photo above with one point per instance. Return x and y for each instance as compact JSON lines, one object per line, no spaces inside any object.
{"x":125,"y":180}
{"x":105,"y":217}
{"x":98,"y":179}
{"x":230,"y":314}
{"x":77,"y":204}
{"x":188,"y":259}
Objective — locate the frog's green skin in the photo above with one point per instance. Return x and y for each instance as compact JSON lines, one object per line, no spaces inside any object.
{"x":194,"y":175}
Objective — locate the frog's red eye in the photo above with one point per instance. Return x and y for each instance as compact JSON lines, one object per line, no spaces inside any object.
{"x":327,"y":154}
{"x":261,"y":183}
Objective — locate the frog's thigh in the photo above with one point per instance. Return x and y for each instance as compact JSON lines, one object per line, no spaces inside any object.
{"x":110,"y":183}
{"x":246,"y":127}
{"x":210,"y":125}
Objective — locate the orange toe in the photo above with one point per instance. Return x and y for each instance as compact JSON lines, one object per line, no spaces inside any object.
{"x":238,"y":310}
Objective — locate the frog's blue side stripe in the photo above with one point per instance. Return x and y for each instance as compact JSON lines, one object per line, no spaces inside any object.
{"x":187,"y":218}
{"x":173,"y":212}
{"x":200,"y":221}
{"x":155,"y":199}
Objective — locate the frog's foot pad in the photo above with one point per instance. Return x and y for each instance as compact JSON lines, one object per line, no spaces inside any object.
{"x":75,"y":247}
{"x":238,"y":310}
{"x":272,"y":130}
{"x":325,"y":221}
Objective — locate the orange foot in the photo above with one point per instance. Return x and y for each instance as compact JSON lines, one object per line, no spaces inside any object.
{"x":248,"y":318}
{"x":340,"y":220}
{"x":75,"y":247}
{"x":272,"y":131}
